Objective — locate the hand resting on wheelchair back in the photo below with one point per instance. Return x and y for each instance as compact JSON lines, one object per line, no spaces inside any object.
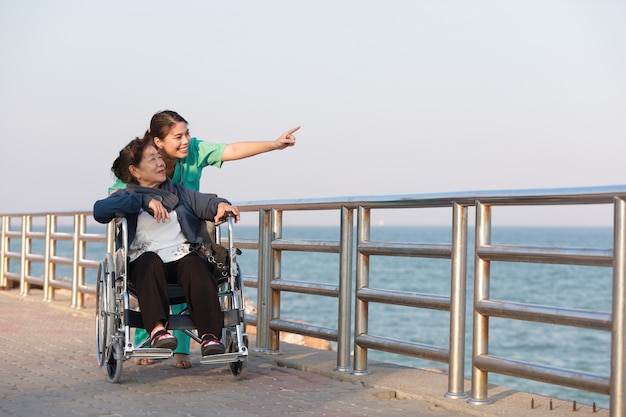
{"x":164,"y":237}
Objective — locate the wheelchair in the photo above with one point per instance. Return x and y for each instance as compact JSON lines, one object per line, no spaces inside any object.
{"x":115,"y":316}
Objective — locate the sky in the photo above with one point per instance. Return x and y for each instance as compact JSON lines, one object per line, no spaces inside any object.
{"x":394,"y":97}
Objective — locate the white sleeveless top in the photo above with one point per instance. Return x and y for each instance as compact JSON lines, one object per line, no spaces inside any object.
{"x":165,"y":239}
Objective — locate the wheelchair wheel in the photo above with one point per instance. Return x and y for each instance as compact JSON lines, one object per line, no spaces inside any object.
{"x":101,"y":315}
{"x":239,"y":369}
{"x":114,"y":360}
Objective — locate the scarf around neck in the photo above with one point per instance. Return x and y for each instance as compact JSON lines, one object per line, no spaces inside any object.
{"x":166,"y":193}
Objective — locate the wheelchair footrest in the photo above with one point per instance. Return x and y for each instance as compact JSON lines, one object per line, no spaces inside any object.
{"x":225,"y":357}
{"x":155,"y":353}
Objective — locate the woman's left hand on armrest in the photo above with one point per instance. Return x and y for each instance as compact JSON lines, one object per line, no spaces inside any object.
{"x":223,"y":208}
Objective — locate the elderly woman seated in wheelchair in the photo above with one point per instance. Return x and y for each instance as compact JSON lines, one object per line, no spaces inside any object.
{"x":164,"y":244}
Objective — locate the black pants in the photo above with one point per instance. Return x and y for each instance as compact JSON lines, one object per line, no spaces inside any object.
{"x":150,"y":276}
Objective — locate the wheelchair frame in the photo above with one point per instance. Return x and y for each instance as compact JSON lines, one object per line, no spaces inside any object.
{"x":115,"y":317}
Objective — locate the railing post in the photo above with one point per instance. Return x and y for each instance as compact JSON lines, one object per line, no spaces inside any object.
{"x":80,"y":276}
{"x":481,"y":292}
{"x":362,"y":281}
{"x":75,"y":255}
{"x":24,"y":285}
{"x":48,"y":292}
{"x":458,"y":287}
{"x":345,"y":291}
{"x":276,"y":272}
{"x":263,"y":287}
{"x":618,"y":316}
{"x":4,"y":281}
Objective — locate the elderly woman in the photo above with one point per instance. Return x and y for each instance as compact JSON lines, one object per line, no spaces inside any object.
{"x":164,"y":228}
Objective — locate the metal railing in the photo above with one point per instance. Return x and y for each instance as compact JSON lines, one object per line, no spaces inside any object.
{"x":454,"y":302}
{"x":271,"y":283}
{"x":485,"y":307}
{"x":44,"y":228}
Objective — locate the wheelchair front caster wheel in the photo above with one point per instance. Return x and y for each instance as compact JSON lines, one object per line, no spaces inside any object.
{"x":239,"y":369}
{"x":114,"y":360}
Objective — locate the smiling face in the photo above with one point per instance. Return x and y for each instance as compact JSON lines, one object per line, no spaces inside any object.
{"x":175,"y":144}
{"x":151,"y":170}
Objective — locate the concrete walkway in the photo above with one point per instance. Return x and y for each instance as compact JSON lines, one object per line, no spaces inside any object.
{"x":48,"y":368}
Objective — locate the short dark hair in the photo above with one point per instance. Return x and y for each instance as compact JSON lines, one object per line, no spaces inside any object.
{"x":130,"y":154}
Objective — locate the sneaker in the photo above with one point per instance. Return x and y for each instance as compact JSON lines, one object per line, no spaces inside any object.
{"x":211,"y":345}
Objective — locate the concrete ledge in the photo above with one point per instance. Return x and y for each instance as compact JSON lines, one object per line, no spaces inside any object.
{"x":401,"y":382}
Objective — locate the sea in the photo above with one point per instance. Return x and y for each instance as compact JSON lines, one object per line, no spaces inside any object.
{"x":543,"y":284}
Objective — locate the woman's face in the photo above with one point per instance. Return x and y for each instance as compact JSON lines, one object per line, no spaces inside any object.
{"x":151,"y":169}
{"x":175,"y":144}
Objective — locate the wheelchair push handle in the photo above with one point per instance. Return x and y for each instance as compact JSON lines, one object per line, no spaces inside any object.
{"x":228,"y":217}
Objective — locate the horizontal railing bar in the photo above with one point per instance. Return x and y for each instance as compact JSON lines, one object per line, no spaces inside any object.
{"x":250,"y":280}
{"x":596,"y":320}
{"x":306,"y":245}
{"x":61,"y":236}
{"x":34,"y":257}
{"x":12,"y":276}
{"x":31,"y":279}
{"x":304,"y":329}
{"x":65,"y":284}
{"x":87,"y":289}
{"x":426,"y":250}
{"x":251,"y":319}
{"x":58,"y":214}
{"x":562,"y":196}
{"x":404,"y":298}
{"x":543,"y":373}
{"x":89,"y":263}
{"x":305,"y":287}
{"x":90,"y":237}
{"x":247,"y":243}
{"x":61,"y":261}
{"x":418,"y":350}
{"x":535,"y":254}
{"x":540,"y":196}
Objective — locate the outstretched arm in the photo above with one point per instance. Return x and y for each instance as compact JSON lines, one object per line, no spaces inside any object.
{"x":241,"y":150}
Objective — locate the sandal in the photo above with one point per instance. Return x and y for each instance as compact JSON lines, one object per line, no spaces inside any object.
{"x":211,"y":345}
{"x":162,"y":339}
{"x":145,"y":361}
